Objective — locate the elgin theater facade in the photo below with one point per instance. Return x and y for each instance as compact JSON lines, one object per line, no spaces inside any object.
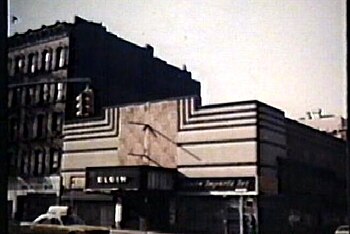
{"x":174,"y":165}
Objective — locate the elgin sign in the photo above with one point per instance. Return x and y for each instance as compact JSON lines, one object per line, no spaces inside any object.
{"x":111,"y":179}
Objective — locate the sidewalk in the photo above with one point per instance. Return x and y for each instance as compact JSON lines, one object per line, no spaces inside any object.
{"x":116,"y":231}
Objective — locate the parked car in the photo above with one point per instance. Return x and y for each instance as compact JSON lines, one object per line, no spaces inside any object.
{"x":60,"y":220}
{"x":59,"y":215}
{"x":343,"y":229}
{"x":60,"y":229}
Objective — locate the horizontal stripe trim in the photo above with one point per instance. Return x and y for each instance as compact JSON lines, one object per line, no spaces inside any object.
{"x":77,"y":127}
{"x":273,"y":144}
{"x":263,"y":119}
{"x":78,"y":123}
{"x":274,"y":167}
{"x":271,"y":120}
{"x":82,"y":133}
{"x":217,"y":127}
{"x":229,"y":104}
{"x":91,"y":122}
{"x":235,"y":164}
{"x":266,"y":127}
{"x":219,"y":120}
{"x":217,"y":123}
{"x":279,"y":119}
{"x":264,"y":105}
{"x":188,"y":108}
{"x":90,"y":138}
{"x":89,"y":150}
{"x":89,"y":119}
{"x":110,"y":125}
{"x":253,"y":139}
{"x":271,"y":127}
{"x":232,"y":109}
{"x":222,"y":112}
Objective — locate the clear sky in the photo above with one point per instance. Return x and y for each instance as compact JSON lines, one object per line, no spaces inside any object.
{"x":290,"y":54}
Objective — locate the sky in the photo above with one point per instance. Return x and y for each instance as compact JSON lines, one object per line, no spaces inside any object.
{"x":290,"y":54}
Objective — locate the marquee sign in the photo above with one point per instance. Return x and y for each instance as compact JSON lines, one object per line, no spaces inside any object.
{"x":236,"y":184}
{"x":111,"y":179}
{"x":129,"y":178}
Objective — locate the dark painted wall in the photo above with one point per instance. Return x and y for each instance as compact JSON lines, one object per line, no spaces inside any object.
{"x":122,"y":72}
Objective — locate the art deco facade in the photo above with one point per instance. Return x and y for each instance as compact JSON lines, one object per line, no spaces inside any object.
{"x":51,"y":66}
{"x":224,"y":168}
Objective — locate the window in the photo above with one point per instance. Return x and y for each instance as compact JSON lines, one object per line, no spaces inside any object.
{"x":46,"y":59}
{"x":28,"y":98}
{"x":52,"y":92}
{"x":40,"y":96}
{"x":24,"y":162}
{"x":18,"y":96}
{"x":13,"y":128}
{"x":19,"y":66}
{"x":46,"y":93}
{"x":39,"y":126}
{"x":60,"y":57}
{"x":54,"y":160}
{"x":54,"y":122}
{"x":9,"y":66}
{"x":10,"y":98}
{"x":31,"y":94}
{"x":49,"y":221}
{"x":32,"y":63}
{"x":14,"y":97}
{"x":32,"y":163}
{"x":38,"y":161}
{"x":60,"y":91}
{"x":23,"y":96}
{"x":13,"y":160}
{"x":25,"y":132}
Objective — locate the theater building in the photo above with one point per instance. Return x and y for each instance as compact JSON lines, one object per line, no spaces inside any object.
{"x":226,"y":168}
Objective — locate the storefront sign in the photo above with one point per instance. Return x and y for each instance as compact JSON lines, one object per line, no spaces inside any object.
{"x":241,"y":184}
{"x":129,"y":178}
{"x":112,"y":179}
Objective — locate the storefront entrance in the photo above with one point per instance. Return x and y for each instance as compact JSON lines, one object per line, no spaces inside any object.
{"x":141,"y":194}
{"x":217,"y":205}
{"x":204,"y":214}
{"x":145,"y":211}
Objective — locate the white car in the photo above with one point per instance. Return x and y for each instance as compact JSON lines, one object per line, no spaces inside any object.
{"x":58,"y":215}
{"x":344,"y":229}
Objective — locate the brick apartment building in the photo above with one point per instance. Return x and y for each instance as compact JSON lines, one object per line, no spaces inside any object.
{"x":48,"y":68}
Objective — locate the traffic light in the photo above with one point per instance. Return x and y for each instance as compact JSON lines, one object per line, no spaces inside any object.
{"x":88,"y":100}
{"x":79,"y":105}
{"x":85,"y":103}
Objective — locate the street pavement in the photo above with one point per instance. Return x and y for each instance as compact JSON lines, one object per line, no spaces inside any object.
{"x":115,"y":231}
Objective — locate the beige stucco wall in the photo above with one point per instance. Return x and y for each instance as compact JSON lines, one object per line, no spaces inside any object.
{"x":152,"y":145}
{"x":212,"y":153}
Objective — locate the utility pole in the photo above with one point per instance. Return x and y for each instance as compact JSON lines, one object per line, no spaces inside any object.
{"x":3,"y":118}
